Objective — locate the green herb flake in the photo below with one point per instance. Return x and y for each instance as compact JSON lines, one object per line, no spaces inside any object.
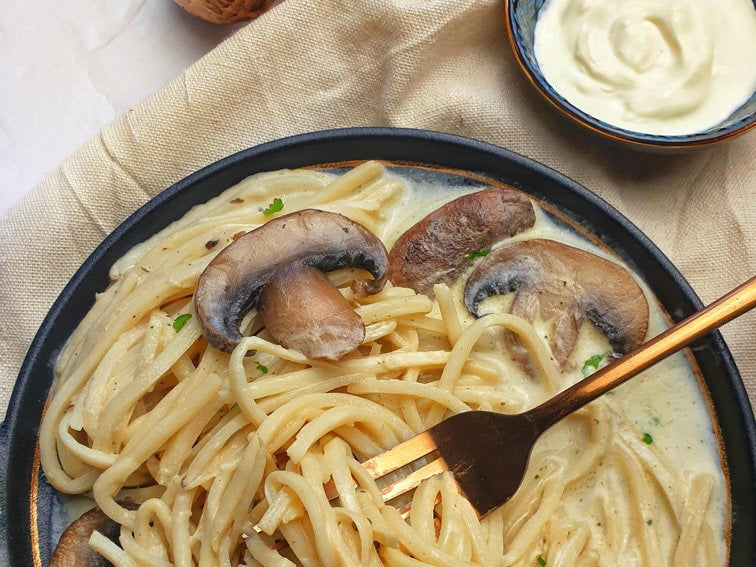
{"x":592,"y":362}
{"x":261,"y":368}
{"x":478,"y":253}
{"x":649,"y":522}
{"x":180,"y":321}
{"x":647,"y":439}
{"x":274,"y":207}
{"x":541,"y":561}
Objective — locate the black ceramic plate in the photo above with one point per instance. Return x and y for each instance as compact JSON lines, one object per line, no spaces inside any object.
{"x":28,"y":507}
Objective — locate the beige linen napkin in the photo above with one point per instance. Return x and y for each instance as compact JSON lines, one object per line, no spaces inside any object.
{"x":307,"y":65}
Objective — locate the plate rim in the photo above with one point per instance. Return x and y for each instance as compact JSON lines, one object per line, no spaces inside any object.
{"x":354,"y":143}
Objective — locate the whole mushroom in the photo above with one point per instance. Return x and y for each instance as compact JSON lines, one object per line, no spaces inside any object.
{"x":436,"y":249}
{"x":568,"y":284}
{"x":278,"y":268}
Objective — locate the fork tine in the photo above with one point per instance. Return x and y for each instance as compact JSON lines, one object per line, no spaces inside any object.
{"x":413,"y":479}
{"x":400,"y":455}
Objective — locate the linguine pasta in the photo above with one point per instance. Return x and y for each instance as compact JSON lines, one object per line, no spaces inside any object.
{"x":234,"y":459}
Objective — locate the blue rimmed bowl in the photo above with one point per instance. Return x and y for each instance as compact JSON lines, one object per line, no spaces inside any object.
{"x":521,"y":17}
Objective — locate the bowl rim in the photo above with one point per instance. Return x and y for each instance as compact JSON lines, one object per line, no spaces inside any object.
{"x":615,"y":133}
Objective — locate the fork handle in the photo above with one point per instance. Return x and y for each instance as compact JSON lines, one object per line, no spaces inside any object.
{"x":733,"y":304}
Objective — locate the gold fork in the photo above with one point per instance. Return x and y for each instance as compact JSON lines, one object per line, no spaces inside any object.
{"x":488,"y":452}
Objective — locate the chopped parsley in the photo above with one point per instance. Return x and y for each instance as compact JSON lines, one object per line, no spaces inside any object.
{"x":180,"y":321}
{"x":478,"y":253}
{"x":649,"y":522}
{"x":262,"y":368}
{"x":647,"y":439}
{"x":274,"y":207}
{"x":592,"y":362}
{"x":541,"y":561}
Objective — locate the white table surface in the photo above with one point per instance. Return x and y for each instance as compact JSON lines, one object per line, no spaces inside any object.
{"x":68,"y":68}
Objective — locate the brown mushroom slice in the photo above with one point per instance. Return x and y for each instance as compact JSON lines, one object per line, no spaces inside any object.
{"x":231,"y":283}
{"x":435,"y":249}
{"x":73,"y":546}
{"x":302,"y":310}
{"x":558,"y":281}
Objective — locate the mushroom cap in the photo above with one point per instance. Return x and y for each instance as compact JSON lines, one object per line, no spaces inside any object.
{"x":435,"y":249}
{"x":231,"y":283}
{"x":73,"y":549}
{"x":568,"y":284}
{"x":303,"y":310}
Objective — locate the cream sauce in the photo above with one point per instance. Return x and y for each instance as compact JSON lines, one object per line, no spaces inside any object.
{"x":654,"y":66}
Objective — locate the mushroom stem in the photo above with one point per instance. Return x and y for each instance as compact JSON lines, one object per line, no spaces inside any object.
{"x":302,"y":310}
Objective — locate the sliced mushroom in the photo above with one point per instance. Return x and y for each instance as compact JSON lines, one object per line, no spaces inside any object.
{"x":73,"y":546}
{"x":435,"y":249}
{"x":557,"y":281}
{"x":232,"y":282}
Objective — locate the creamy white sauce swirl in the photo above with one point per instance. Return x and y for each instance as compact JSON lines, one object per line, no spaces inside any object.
{"x":654,"y":66}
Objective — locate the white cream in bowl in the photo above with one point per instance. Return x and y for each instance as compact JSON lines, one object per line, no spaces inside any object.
{"x":669,"y":67}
